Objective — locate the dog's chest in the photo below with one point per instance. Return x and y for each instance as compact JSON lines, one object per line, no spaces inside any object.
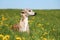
{"x":24,"y":24}
{"x":26,"y":20}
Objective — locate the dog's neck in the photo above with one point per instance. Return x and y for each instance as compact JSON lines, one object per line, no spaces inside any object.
{"x":24,"y":22}
{"x":24,"y":18}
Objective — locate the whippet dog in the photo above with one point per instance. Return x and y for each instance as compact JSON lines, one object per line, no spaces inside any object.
{"x":23,"y":25}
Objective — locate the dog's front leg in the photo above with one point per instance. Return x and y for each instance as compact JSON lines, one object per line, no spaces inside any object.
{"x":27,"y":29}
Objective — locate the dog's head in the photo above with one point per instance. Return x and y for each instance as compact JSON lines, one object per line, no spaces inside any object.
{"x":28,"y":12}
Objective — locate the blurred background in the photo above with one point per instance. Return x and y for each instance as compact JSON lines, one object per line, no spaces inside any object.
{"x":33,"y":4}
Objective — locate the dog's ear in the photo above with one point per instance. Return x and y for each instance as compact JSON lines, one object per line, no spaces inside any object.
{"x":22,"y":12}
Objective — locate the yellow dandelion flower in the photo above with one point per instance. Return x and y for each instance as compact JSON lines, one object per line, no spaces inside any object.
{"x":45,"y":33}
{"x":18,"y":38}
{"x":1,"y":36}
{"x":1,"y":23}
{"x":6,"y":24}
{"x":33,"y":17}
{"x":54,"y":29}
{"x":53,"y":39}
{"x":29,"y":21}
{"x":7,"y":36}
{"x":16,"y":35}
{"x":4,"y":38}
{"x":32,"y":36}
{"x":40,"y":25}
{"x":23,"y":38}
{"x":42,"y":28}
{"x":3,"y":18}
{"x":44,"y":38}
{"x":41,"y":36}
{"x":38,"y":39}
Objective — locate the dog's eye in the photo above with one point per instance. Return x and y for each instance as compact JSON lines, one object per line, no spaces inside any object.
{"x":22,"y":12}
{"x":29,"y":10}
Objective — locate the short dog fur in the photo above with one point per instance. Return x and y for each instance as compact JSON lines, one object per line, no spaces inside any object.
{"x":23,"y":25}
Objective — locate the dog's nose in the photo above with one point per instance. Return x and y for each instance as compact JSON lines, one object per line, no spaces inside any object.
{"x":35,"y":13}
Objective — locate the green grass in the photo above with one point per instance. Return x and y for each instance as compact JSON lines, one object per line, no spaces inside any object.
{"x":44,"y":26}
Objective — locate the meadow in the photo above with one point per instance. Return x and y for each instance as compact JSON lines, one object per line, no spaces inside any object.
{"x":44,"y":26}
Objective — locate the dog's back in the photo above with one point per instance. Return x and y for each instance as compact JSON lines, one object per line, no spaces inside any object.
{"x":15,"y":27}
